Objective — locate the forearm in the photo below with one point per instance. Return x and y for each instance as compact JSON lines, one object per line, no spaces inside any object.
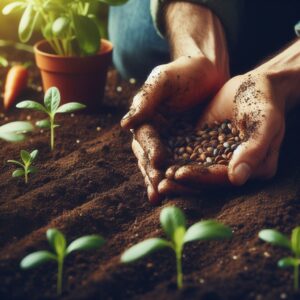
{"x":283,"y":70}
{"x":193,"y":30}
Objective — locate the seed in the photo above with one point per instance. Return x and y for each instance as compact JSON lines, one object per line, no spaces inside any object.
{"x":194,"y":156}
{"x":215,"y":152}
{"x":208,"y":159}
{"x":213,"y":133}
{"x":210,"y":149}
{"x":185,"y":156}
{"x":189,"y":150}
{"x":234,"y":131}
{"x":226,"y":144}
{"x":203,"y":156}
{"x":221,"y":138}
{"x":233,"y":147}
{"x":229,"y":155}
{"x":181,"y":150}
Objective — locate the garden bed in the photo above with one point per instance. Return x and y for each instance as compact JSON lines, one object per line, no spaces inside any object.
{"x":91,"y":184}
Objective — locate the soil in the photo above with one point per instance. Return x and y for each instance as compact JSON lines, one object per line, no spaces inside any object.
{"x":91,"y":184}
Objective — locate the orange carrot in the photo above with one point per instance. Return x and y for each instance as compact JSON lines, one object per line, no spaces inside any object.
{"x":16,"y":83}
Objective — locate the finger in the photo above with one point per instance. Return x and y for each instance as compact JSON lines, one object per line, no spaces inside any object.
{"x":151,"y":143}
{"x":250,"y":154}
{"x":152,"y":193}
{"x":202,"y":176}
{"x":147,"y":99}
{"x":170,"y":187}
{"x":152,"y":176}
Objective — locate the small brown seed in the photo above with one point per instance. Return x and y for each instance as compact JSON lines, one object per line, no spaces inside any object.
{"x":194,"y":156}
{"x":234,"y":131}
{"x":181,"y":150}
{"x":229,"y":155}
{"x":203,"y":156}
{"x":189,"y":150}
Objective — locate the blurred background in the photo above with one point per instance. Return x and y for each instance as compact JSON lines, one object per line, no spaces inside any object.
{"x":9,"y":24}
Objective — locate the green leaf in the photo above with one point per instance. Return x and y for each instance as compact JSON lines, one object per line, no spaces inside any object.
{"x":70,"y":107}
{"x":172,"y":218}
{"x":15,"y":127}
{"x":47,"y":31}
{"x":12,"y":137}
{"x":86,"y":243}
{"x":27,"y":23}
{"x":18,"y":173}
{"x":52,"y":99}
{"x":143,"y":248}
{"x":43,"y":123}
{"x":288,"y":262}
{"x":9,"y":8}
{"x":15,"y":162}
{"x":25,"y":156}
{"x":3,"y":62}
{"x":87,"y":35}
{"x":60,"y":27}
{"x":28,"y":104}
{"x":57,"y":241}
{"x":32,"y":170}
{"x":33,"y":155}
{"x":37,"y":258}
{"x":113,"y":2}
{"x":207,"y":230}
{"x":274,"y":237}
{"x":295,"y":239}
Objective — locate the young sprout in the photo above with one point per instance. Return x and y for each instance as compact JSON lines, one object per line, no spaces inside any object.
{"x":58,"y":242}
{"x":173,"y":223}
{"x":51,"y":108}
{"x":26,"y":167}
{"x":276,"y":238}
{"x":14,"y":131}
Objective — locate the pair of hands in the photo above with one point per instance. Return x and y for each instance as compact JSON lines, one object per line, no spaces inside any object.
{"x":251,"y":101}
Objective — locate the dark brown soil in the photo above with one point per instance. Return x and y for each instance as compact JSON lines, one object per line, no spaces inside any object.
{"x":94,"y":186}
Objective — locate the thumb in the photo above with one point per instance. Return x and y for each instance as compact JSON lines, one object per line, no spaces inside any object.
{"x":251,"y":154}
{"x":146,"y":100}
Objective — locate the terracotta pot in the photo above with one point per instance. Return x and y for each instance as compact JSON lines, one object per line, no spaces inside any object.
{"x":80,"y":79}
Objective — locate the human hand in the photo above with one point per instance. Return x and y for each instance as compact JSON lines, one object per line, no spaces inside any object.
{"x":257,"y":108}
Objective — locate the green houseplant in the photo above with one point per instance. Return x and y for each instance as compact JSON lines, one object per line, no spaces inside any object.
{"x":276,"y":238}
{"x":72,"y":55}
{"x":60,"y":251}
{"x":173,"y":223}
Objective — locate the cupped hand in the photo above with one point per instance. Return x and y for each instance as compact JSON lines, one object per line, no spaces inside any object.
{"x":257,"y":108}
{"x":170,"y":89}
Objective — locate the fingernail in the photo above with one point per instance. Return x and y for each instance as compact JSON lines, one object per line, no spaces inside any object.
{"x":241,"y":173}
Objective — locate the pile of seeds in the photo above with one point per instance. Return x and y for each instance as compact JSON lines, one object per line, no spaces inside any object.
{"x":212,"y":144}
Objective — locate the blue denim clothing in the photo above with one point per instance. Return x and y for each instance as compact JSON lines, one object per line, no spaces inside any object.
{"x":137,"y":46}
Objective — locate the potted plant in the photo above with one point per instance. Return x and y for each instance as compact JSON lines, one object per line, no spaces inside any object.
{"x":72,"y":56}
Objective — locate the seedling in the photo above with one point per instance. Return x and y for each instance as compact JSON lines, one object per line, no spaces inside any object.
{"x":51,"y":108}
{"x":58,"y":242}
{"x":276,"y":238}
{"x":14,"y":131}
{"x":69,"y":26}
{"x":173,"y":223}
{"x":26,"y":164}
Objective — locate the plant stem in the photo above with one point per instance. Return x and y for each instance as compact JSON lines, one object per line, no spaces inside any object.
{"x":59,"y":276}
{"x":179,"y":269}
{"x":52,"y":133}
{"x":26,"y":175}
{"x":296,"y":277}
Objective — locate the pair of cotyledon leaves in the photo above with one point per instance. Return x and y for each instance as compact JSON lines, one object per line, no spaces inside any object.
{"x":276,"y":238}
{"x":173,"y":223}
{"x":59,"y":245}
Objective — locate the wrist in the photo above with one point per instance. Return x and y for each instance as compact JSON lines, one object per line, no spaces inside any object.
{"x":283,"y":73}
{"x":193,"y":30}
